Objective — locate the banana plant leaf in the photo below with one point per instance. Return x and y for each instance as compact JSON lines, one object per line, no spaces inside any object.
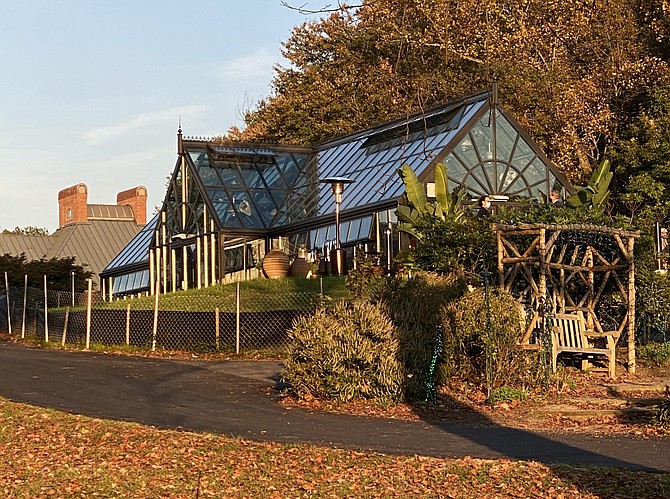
{"x":414,"y":189}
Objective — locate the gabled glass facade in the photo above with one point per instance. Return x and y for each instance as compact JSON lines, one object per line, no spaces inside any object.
{"x":229,"y":203}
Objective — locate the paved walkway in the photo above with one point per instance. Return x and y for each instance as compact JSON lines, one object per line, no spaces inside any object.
{"x":232,"y":398}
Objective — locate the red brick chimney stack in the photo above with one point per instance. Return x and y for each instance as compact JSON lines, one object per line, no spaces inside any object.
{"x":136,"y":198}
{"x":72,"y":204}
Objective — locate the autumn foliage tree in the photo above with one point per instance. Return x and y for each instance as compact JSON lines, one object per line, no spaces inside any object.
{"x":574,"y":73}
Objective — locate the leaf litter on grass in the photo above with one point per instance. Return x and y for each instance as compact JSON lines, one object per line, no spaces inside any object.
{"x":47,"y":453}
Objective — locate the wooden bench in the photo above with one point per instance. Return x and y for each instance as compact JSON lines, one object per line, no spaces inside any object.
{"x":570,"y":334}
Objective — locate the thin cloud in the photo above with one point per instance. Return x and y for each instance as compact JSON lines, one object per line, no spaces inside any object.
{"x":103,"y":134}
{"x":258,"y":64}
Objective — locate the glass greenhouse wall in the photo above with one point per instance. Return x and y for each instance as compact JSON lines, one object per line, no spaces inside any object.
{"x":228,"y":204}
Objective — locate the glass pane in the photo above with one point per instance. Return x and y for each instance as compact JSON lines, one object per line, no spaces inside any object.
{"x":366,"y":228}
{"x":354,"y":229}
{"x":536,"y":172}
{"x":466,"y":152}
{"x":344,"y":231}
{"x":518,"y":187}
{"x":482,"y":136}
{"x":455,"y":169}
{"x":509,"y":179}
{"x":506,"y":135}
{"x":523,"y":154}
{"x":288,"y":168}
{"x":481,"y":182}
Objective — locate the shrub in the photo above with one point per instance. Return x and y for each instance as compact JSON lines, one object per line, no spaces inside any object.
{"x":655,"y":354}
{"x":345,"y":352}
{"x":366,"y":278}
{"x":507,"y":394}
{"x":663,"y":416}
{"x":414,"y":306}
{"x":449,"y":244}
{"x":481,"y":336}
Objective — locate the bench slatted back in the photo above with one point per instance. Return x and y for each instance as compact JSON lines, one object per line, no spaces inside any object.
{"x":571,"y":329}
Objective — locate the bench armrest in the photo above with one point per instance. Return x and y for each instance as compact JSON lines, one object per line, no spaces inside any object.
{"x":604,"y":334}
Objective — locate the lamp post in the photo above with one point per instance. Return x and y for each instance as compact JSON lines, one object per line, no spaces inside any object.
{"x":337,"y":255}
{"x":72,"y":281}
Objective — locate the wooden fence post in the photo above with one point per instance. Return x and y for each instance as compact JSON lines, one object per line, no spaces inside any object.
{"x":128,"y":325}
{"x":67,"y":318}
{"x":88,"y":314}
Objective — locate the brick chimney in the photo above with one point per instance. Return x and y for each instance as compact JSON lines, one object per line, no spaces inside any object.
{"x":72,"y":203}
{"x":136,"y":198}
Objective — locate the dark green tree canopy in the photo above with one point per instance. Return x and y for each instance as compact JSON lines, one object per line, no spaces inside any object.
{"x":57,"y":270}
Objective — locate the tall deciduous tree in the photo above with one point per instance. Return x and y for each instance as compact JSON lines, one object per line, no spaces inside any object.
{"x":572,"y":72}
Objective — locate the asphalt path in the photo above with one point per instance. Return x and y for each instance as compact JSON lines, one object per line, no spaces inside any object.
{"x":234,"y":398}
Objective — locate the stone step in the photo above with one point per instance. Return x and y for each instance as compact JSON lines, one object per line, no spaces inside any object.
{"x":622,"y":388}
{"x":620,"y":402}
{"x":574,"y":413}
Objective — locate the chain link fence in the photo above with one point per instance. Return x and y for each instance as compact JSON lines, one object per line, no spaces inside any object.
{"x":241,"y":322}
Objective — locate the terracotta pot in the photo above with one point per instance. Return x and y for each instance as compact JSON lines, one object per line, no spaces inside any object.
{"x":300,"y":267}
{"x":276,"y":264}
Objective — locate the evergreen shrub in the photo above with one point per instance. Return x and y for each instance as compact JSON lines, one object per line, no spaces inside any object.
{"x":654,"y":354}
{"x":480,"y":343}
{"x":414,"y":306}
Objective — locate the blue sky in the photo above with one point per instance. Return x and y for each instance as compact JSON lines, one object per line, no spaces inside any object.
{"x":92,"y":90}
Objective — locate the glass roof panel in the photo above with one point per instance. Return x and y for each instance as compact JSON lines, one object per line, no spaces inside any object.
{"x":518,"y":188}
{"x":506,"y":137}
{"x":455,"y":169}
{"x":482,"y":134}
{"x":523,"y":155}
{"x":510,"y":176}
{"x":137,"y":250}
{"x":536,"y":172}
{"x":227,"y":214}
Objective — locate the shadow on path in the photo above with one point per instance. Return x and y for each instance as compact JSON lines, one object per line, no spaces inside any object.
{"x":232,"y":398}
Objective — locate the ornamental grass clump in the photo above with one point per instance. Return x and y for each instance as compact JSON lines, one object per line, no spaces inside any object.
{"x":343,"y":353}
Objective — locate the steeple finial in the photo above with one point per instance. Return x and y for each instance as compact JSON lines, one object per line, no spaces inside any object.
{"x":180,"y":145}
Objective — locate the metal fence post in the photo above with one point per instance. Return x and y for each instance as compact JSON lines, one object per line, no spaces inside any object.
{"x":217,"y":331}
{"x":155,"y":328}
{"x":67,"y":318}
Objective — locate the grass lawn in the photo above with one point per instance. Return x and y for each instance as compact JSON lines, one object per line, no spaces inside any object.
{"x":255,"y":295}
{"x":46,"y":453}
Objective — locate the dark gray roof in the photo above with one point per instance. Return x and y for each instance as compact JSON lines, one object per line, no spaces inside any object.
{"x":94,"y":243}
{"x":34,"y":247}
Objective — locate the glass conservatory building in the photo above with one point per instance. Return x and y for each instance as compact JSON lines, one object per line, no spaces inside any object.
{"x":228,"y":203}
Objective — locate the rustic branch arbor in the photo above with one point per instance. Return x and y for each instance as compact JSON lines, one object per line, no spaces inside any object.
{"x":570,"y":268}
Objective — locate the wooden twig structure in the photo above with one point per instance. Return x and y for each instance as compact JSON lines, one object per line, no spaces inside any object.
{"x":570,"y":268}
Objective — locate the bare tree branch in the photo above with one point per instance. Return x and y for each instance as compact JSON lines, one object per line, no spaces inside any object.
{"x":302,"y":9}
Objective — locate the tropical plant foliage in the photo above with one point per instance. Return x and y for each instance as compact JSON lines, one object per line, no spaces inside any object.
{"x":596,"y":193}
{"x":416,"y":206}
